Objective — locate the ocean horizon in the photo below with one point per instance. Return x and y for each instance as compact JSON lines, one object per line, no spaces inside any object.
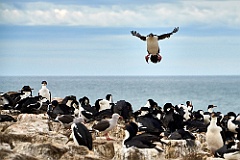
{"x":222,"y":91}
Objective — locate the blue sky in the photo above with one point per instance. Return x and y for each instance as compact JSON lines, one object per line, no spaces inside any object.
{"x":93,"y":37}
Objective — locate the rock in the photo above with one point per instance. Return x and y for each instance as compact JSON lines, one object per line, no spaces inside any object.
{"x":104,"y":149}
{"x":34,"y":137}
{"x":133,"y":153}
{"x":6,"y":154}
{"x":181,"y":148}
{"x":41,"y":150}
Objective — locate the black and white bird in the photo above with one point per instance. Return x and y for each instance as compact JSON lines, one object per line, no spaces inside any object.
{"x":9,"y":99}
{"x":189,"y":106}
{"x":106,"y":125}
{"x":171,"y":119}
{"x":151,"y":103}
{"x":155,"y":110}
{"x":196,"y":123}
{"x":80,"y":134}
{"x":185,"y":112}
{"x":44,"y":91}
{"x":149,"y":123}
{"x":26,"y":91}
{"x":143,"y":141}
{"x":152,"y":44}
{"x":207,"y":115}
{"x":103,"y":104}
{"x":86,"y":110}
{"x":63,"y":108}
{"x":214,"y":138}
{"x":233,"y":125}
{"x":228,"y":152}
{"x":71,"y":102}
{"x":31,"y":104}
{"x":104,"y":107}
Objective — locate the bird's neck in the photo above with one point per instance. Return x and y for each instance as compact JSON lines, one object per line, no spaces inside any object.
{"x":214,"y":121}
{"x":127,"y":137}
{"x":114,"y":120}
{"x":210,"y":110}
{"x":44,"y":86}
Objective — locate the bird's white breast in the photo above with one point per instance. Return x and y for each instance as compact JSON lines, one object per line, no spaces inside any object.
{"x":213,"y":136}
{"x":44,"y":92}
{"x":152,"y":45}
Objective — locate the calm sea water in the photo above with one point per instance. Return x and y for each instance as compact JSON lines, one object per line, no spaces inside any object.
{"x":223,"y":91}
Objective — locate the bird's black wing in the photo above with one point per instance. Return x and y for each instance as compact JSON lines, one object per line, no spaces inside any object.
{"x":167,"y":35}
{"x":65,"y":118}
{"x":102,"y":125}
{"x":135,"y":33}
{"x":145,"y":137}
{"x":107,"y":113}
{"x":83,"y":135}
{"x":139,"y":144}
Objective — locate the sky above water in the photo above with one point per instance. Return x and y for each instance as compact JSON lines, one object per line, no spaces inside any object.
{"x":93,"y":37}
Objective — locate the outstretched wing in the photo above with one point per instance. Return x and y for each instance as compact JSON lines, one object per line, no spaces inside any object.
{"x":135,"y":33}
{"x":167,"y":35}
{"x":175,"y":30}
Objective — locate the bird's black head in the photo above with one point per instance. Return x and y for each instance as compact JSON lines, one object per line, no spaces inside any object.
{"x":155,"y":58}
{"x":152,"y":103}
{"x":54,"y":103}
{"x":211,"y":106}
{"x":26,"y":88}
{"x":44,"y":82}
{"x":132,"y":128}
{"x":84,"y":100}
{"x":168,"y":107}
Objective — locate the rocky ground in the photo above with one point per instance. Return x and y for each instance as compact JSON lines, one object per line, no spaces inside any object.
{"x":33,"y":137}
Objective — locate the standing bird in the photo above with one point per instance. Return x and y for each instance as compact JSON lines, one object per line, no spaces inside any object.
{"x":105,"y":125}
{"x":213,"y":135}
{"x":189,"y":106}
{"x":233,"y":125}
{"x":207,"y":115}
{"x":44,"y":92}
{"x":80,"y":134}
{"x":152,"y":44}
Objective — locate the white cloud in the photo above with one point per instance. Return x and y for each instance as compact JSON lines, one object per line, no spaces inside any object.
{"x":183,"y":13}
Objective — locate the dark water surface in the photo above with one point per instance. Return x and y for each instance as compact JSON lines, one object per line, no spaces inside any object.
{"x":223,"y":91}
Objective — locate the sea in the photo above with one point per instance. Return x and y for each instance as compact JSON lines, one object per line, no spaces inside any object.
{"x":221,"y":91}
